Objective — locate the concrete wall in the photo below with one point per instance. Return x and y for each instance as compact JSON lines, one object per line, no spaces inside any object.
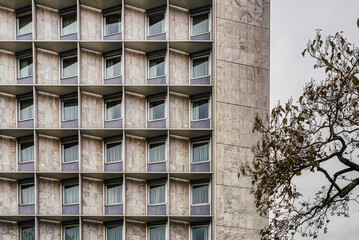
{"x":135,"y":231}
{"x":7,"y":68}
{"x":135,"y":107}
{"x":135,"y":198}
{"x":8,"y":231}
{"x":179,"y":153}
{"x":92,"y":197}
{"x":135,"y":67}
{"x":179,"y":112}
{"x":179,"y":198}
{"x":91,"y":67}
{"x":91,"y":112}
{"x":49,"y":150}
{"x":134,"y":24}
{"x":179,"y":68}
{"x":7,"y":24}
{"x":7,"y":154}
{"x":92,"y":230}
{"x":47,"y":21}
{"x":179,"y":24}
{"x":49,"y":200}
{"x":8,"y":111}
{"x":8,"y":201}
{"x":92,"y":156}
{"x":48,"y":111}
{"x":49,"y":230}
{"x":48,"y":65}
{"x":135,"y":154}
{"x":179,"y":231}
{"x":90,"y":24}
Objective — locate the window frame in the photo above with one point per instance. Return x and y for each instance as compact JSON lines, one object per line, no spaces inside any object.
{"x":148,"y":152}
{"x":26,"y":226}
{"x":112,"y":142}
{"x":20,"y":188}
{"x":105,"y":107}
{"x":113,"y":226}
{"x":148,"y":66}
{"x":19,"y":108}
{"x":209,"y":109}
{"x":62,"y":20}
{"x":70,"y":226}
{"x":63,"y":194}
{"x":62,"y":66}
{"x":209,"y":151}
{"x":19,"y":152}
{"x":18,"y":65}
{"x":149,"y":193}
{"x":162,"y":12}
{"x":18,"y":23}
{"x":105,"y":34}
{"x":197,"y":14}
{"x":148,"y":107}
{"x":105,"y":67}
{"x":63,"y":108}
{"x":63,"y":151}
{"x":106,"y":195}
{"x":209,"y":65}
{"x":156,"y":226}
{"x":209,"y":194}
{"x":199,"y":226}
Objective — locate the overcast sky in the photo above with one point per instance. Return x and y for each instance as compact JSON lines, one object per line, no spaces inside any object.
{"x":293,"y":22}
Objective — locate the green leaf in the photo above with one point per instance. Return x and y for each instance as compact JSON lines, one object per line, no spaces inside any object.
{"x":301,"y":139}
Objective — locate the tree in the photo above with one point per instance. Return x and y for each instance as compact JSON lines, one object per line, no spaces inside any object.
{"x":310,"y":136}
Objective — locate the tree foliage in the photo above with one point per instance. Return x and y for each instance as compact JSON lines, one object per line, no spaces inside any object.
{"x":311,"y":136}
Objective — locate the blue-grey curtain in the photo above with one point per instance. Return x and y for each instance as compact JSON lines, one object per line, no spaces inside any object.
{"x":200,"y":24}
{"x":25,"y":25}
{"x":157,"y":110}
{"x":70,"y":110}
{"x":26,"y":109}
{"x":200,"y":67}
{"x":27,"y":194}
{"x":26,"y":67}
{"x":200,"y":194}
{"x":27,"y":152}
{"x":114,"y":152}
{"x":157,"y":152}
{"x":200,"y":152}
{"x":114,"y":194}
{"x":71,"y":152}
{"x":69,"y":24}
{"x":113,"y":24}
{"x":157,"y":67}
{"x":114,"y":233}
{"x":71,"y":195}
{"x":113,"y":67}
{"x":72,"y":233}
{"x":200,"y":233}
{"x":28,"y":233}
{"x":200,"y":109}
{"x":158,"y":233}
{"x":157,"y":194}
{"x":69,"y":67}
{"x":113,"y":110}
{"x":156,"y":24}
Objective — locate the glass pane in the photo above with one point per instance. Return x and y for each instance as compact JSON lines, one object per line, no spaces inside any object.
{"x":70,"y":110}
{"x":157,"y":67}
{"x":71,"y":152}
{"x":28,"y":233}
{"x":27,"y":194}
{"x":114,"y":194}
{"x":72,"y":233}
{"x":113,"y":110}
{"x":200,"y":233}
{"x":157,"y":152}
{"x":71,"y":195}
{"x":157,"y":194}
{"x":156,"y":24}
{"x":69,"y":66}
{"x":69,"y":24}
{"x":157,"y":110}
{"x":27,"y":152}
{"x":25,"y":67}
{"x":26,"y":109}
{"x":200,"y":152}
{"x":113,"y":24}
{"x":200,"y":24}
{"x":113,"y":152}
{"x":113,"y":67}
{"x":200,"y":109}
{"x":25,"y":25}
{"x":200,"y":194}
{"x":200,"y":67}
{"x":114,"y":233}
{"x":158,"y":233}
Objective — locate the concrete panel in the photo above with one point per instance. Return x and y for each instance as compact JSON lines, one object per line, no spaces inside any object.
{"x":7,"y":111}
{"x":179,"y":24}
{"x":91,"y":112}
{"x":179,"y":155}
{"x":50,"y":202}
{"x":49,"y":154}
{"x":179,"y":197}
{"x":48,"y":111}
{"x":179,"y":111}
{"x":92,"y":197}
{"x":135,"y":198}
{"x":179,"y":231}
{"x":49,"y":230}
{"x":47,"y":24}
{"x":92,"y":230}
{"x":135,"y":111}
{"x":90,"y":24}
{"x":179,"y":68}
{"x":134,"y":24}
{"x":91,"y":67}
{"x":8,"y":231}
{"x":235,"y":233}
{"x":135,"y":67}
{"x":91,"y":150}
{"x":8,"y":202}
{"x":7,"y":68}
{"x":135,"y":231}
{"x":135,"y":154}
{"x":48,"y":65}
{"x":7,"y":24}
{"x":7,"y":154}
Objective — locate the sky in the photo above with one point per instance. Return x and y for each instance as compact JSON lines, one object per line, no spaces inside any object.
{"x":293,"y":23}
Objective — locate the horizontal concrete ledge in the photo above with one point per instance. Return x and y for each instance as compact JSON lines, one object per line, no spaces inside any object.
{"x":223,"y":60}
{"x":239,"y":105}
{"x":233,"y":186}
{"x":232,"y":145}
{"x":253,"y":25}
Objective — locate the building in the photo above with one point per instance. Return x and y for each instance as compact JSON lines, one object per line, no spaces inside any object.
{"x":129,"y":119}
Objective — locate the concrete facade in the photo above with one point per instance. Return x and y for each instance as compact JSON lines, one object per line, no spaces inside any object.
{"x":88,"y":72}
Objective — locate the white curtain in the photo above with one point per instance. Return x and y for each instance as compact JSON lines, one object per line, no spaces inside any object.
{"x":28,"y":233}
{"x":113,"y":67}
{"x":157,"y":152}
{"x":200,"y":152}
{"x":71,"y":194}
{"x":25,"y":67}
{"x":200,"y":109}
{"x":157,"y":194}
{"x":200,"y":24}
{"x":113,"y":110}
{"x":157,"y":110}
{"x":113,"y":24}
{"x":114,"y":152}
{"x":72,"y":233}
{"x":200,"y":67}
{"x":157,"y":67}
{"x":27,"y":152}
{"x":69,"y":66}
{"x":158,"y":233}
{"x":26,"y":109}
{"x":25,"y":25}
{"x":27,"y":194}
{"x":71,"y":152}
{"x":114,"y":194}
{"x":200,"y":194}
{"x":70,"y":110}
{"x":200,"y":233}
{"x":69,"y":24}
{"x":156,"y":24}
{"x":114,"y":233}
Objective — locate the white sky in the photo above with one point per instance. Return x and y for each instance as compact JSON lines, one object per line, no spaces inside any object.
{"x":293,"y":22}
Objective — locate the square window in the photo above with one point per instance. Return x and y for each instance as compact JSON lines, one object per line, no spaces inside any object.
{"x":28,"y":233}
{"x":113,"y":67}
{"x":200,"y":67}
{"x":114,"y":194}
{"x":71,"y":233}
{"x":200,"y":233}
{"x":112,"y":24}
{"x":70,"y":109}
{"x":68,"y":23}
{"x":114,"y":233}
{"x":26,"y":152}
{"x":71,"y":152}
{"x":71,"y":194}
{"x":200,"y":24}
{"x":156,"y":110}
{"x":157,"y":194}
{"x":200,"y":109}
{"x":158,"y":233}
{"x":200,"y":194}
{"x":113,"y":152}
{"x":26,"y":109}
{"x":25,"y":67}
{"x":156,"y":24}
{"x":200,"y":152}
{"x":24,"y":24}
{"x":69,"y":67}
{"x":27,"y":194}
{"x":157,"y":152}
{"x":156,"y":67}
{"x":113,"y":110}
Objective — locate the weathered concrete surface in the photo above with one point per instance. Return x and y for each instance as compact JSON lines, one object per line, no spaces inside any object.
{"x":179,"y":152}
{"x":8,"y":203}
{"x":134,"y":24}
{"x":135,"y":154}
{"x":135,"y":199}
{"x":179,"y":24}
{"x":91,"y":67}
{"x":48,"y":67}
{"x":7,"y":24}
{"x":91,"y":112}
{"x":7,"y":154}
{"x":92,"y":197}
{"x":179,"y":231}
{"x":7,"y":111}
{"x":92,"y":230}
{"x":135,"y":107}
{"x":48,"y":111}
{"x":49,"y":150}
{"x":179,"y":111}
{"x":135,"y":67}
{"x":7,"y":68}
{"x":179,"y":68}
{"x":50,"y":202}
{"x":91,"y":150}
{"x":90,"y":24}
{"x":8,"y":231}
{"x":49,"y":230}
{"x":179,"y":197}
{"x":47,"y":21}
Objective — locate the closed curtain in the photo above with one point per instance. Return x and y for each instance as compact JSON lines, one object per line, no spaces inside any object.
{"x":200,"y":67}
{"x":28,"y":233}
{"x":25,"y":25}
{"x":200,"y":152}
{"x":69,"y":67}
{"x":157,"y":67}
{"x":200,"y":24}
{"x":157,"y":152}
{"x":113,"y":24}
{"x":69,"y":24}
{"x":113,"y":110}
{"x":200,"y":109}
{"x":200,"y":194}
{"x":113,"y":67}
{"x":158,"y":233}
{"x":114,"y":152}
{"x":157,"y":194}
{"x":200,"y":233}
{"x":114,"y":194}
{"x":71,"y":152}
{"x":26,"y":109}
{"x":157,"y":110}
{"x":27,"y":152}
{"x":72,"y":233}
{"x":70,"y":110}
{"x":156,"y":24}
{"x":71,"y":194}
{"x":27,"y":194}
{"x":25,"y":67}
{"x":114,"y":233}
